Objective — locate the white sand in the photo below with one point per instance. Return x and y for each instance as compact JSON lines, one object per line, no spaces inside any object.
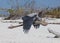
{"x":17,"y":35}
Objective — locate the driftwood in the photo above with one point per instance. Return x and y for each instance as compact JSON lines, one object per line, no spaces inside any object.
{"x":57,"y":34}
{"x":11,"y":27}
{"x":37,"y":22}
{"x":44,"y":23}
{"x":54,"y":23}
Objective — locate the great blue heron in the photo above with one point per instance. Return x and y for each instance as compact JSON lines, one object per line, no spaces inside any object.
{"x":30,"y":20}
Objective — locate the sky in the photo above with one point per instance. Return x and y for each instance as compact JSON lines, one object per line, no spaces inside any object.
{"x":38,"y":3}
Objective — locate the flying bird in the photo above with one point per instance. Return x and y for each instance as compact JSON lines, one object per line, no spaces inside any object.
{"x":29,"y":20}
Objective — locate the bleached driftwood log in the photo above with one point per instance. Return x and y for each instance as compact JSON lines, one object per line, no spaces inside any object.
{"x":57,"y":34}
{"x":37,"y":22}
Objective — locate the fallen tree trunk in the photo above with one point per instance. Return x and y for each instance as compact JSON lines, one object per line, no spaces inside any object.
{"x":57,"y":34}
{"x":45,"y":23}
{"x":11,"y":27}
{"x":37,"y":22}
{"x":53,"y":23}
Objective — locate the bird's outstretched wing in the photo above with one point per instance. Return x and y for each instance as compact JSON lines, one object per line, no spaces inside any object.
{"x":27,"y":22}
